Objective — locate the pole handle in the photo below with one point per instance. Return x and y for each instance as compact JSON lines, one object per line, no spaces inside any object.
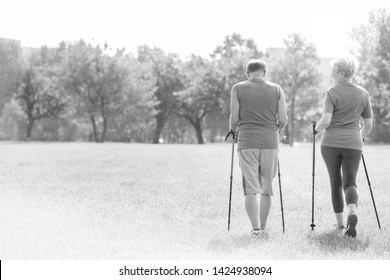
{"x":314,"y":127}
{"x":231,"y":132}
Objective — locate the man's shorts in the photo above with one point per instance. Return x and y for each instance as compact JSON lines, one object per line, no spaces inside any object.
{"x":258,"y":167}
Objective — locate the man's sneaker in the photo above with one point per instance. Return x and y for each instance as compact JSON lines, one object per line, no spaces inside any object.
{"x":255,"y":232}
{"x":351,"y":225}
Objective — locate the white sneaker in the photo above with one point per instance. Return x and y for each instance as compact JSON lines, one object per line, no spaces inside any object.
{"x":255,"y":232}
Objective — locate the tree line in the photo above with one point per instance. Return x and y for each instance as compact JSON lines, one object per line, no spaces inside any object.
{"x":81,"y":91}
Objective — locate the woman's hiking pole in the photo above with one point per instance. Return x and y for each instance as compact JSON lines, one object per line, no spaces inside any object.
{"x":281,"y":197}
{"x":231,"y":174}
{"x":313,"y":174}
{"x":372,"y":196}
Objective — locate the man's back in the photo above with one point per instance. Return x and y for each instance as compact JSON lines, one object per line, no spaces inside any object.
{"x":258,"y":123}
{"x":258,"y":103}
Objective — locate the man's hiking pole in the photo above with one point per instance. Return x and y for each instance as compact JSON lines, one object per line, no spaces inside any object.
{"x":284,"y":140}
{"x":313,"y":175}
{"x":372,"y":196}
{"x":281,"y":197}
{"x":231,"y":174}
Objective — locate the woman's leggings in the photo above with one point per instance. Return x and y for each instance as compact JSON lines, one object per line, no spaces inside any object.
{"x":347,"y":160}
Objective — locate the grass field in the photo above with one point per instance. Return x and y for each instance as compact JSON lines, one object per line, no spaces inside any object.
{"x":141,"y":201}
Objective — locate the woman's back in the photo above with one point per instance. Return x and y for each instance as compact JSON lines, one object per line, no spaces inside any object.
{"x":349,"y":104}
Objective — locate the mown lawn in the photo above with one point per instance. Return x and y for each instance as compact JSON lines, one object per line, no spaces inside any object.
{"x":141,"y":201}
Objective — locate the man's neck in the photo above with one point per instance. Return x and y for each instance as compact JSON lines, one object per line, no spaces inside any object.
{"x":257,"y":75}
{"x":345,"y":81}
{"x":256,"y":78}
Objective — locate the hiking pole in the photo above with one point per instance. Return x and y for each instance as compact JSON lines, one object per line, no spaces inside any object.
{"x":231,"y":175}
{"x":313,"y":175}
{"x":281,"y":197}
{"x":372,"y":196}
{"x":284,"y":140}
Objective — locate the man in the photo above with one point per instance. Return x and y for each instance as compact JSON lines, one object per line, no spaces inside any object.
{"x":258,"y":113}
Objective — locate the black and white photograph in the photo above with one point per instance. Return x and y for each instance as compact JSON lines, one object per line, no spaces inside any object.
{"x":224,"y":133}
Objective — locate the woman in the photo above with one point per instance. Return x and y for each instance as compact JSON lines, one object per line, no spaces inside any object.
{"x":345,"y":104}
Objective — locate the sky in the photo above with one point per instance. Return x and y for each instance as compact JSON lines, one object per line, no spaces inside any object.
{"x":187,"y":26}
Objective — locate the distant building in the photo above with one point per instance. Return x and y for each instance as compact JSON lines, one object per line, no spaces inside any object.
{"x":10,"y":41}
{"x":25,"y":51}
{"x":324,"y":67}
{"x":28,"y":51}
{"x":10,"y":51}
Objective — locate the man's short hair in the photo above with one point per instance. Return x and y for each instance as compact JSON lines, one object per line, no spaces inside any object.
{"x":255,"y":65}
{"x":346,"y":65}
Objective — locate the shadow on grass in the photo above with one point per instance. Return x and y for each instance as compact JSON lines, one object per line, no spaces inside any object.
{"x":334,"y":242}
{"x":231,"y":242}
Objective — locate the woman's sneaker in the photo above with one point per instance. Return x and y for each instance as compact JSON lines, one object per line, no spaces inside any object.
{"x":351,"y":225}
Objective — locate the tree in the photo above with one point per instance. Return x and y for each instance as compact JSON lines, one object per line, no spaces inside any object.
{"x":296,"y":70}
{"x":178,"y":130}
{"x":202,"y":93}
{"x":39,"y":92}
{"x":97,"y":81}
{"x":12,"y":121}
{"x":236,"y":46}
{"x":373,"y":51}
{"x":136,"y":113}
{"x":165,"y":69}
